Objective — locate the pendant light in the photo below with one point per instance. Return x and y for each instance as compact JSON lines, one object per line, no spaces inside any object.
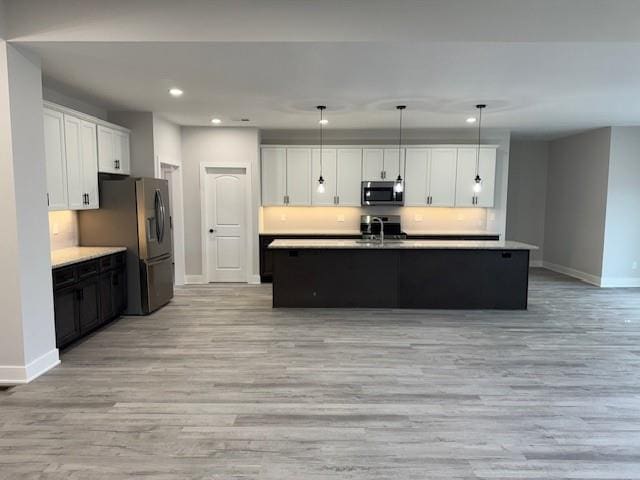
{"x":399,"y":186}
{"x":322,"y":122}
{"x":477,"y":187}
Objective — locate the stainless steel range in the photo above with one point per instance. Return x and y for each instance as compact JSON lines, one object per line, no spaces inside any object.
{"x":370,"y":227}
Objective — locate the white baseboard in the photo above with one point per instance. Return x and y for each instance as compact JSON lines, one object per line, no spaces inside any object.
{"x":585,"y":277}
{"x":194,"y":280}
{"x":620,"y":282}
{"x":16,"y":375}
{"x":254,"y":280}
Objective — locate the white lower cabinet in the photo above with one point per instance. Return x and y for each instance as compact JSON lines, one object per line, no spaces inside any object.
{"x":56,"y":160}
{"x":349,"y":176}
{"x":82,"y":163}
{"x":113,"y":151}
{"x":466,"y":173}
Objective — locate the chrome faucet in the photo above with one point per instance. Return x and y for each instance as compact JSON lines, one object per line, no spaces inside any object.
{"x":378,"y":219}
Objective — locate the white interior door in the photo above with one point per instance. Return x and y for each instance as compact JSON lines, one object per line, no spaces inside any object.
{"x":226,"y":228}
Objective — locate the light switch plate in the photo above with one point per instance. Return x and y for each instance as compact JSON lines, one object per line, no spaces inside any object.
{"x":55,"y":229}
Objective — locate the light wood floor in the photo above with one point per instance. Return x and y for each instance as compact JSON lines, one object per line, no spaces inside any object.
{"x":219,"y":386}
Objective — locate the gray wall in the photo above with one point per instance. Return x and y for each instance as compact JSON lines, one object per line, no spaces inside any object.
{"x":622,"y":226}
{"x":528,"y":162}
{"x":576,"y":202}
{"x":210,"y":144}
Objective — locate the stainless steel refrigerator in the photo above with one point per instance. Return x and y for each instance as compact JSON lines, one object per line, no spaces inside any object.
{"x":134,"y":212}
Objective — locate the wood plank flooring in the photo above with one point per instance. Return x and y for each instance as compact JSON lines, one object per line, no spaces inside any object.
{"x":217,"y":385}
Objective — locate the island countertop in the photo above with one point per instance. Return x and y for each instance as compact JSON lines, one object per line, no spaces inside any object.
{"x":400,"y":244}
{"x":71,"y":255}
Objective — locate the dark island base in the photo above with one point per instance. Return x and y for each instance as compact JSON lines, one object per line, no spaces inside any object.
{"x":403,"y":278}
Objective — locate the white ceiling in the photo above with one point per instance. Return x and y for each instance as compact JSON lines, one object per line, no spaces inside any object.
{"x":537,"y":88}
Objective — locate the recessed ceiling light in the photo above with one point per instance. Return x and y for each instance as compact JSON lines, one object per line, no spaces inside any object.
{"x":471,"y":120}
{"x":324,"y":121}
{"x":216,"y":121}
{"x":175,"y":91}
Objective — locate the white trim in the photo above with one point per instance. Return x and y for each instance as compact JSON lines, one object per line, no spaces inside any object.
{"x":16,"y":375}
{"x":250,"y":245}
{"x":585,"y":277}
{"x":620,"y":282}
{"x":177,"y":215}
{"x":194,"y":279}
{"x":84,"y":116}
{"x":254,"y":280}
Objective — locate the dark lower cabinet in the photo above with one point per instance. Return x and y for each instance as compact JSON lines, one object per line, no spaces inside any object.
{"x":88,"y":295}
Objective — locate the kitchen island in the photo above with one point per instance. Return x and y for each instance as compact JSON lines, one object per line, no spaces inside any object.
{"x":471,"y":274}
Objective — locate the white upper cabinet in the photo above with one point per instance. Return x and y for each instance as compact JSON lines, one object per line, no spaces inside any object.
{"x":113,"y":151}
{"x":415,"y":185}
{"x":349,"y":175}
{"x":298,"y":176}
{"x":391,"y":166}
{"x":82,"y":163}
{"x":329,"y":173}
{"x":441,"y":179}
{"x":274,"y":169}
{"x":372,"y":164}
{"x":466,"y":173}
{"x":56,"y":162}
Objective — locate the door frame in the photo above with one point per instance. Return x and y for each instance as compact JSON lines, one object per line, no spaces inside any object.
{"x":249,"y":243}
{"x":176,"y":216}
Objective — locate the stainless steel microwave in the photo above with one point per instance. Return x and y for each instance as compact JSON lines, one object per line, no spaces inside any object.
{"x":381,"y":193}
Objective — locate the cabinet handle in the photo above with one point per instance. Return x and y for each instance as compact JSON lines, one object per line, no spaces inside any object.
{"x":88,"y":198}
{"x":337,"y":199}
{"x":48,"y":199}
{"x":116,"y":164}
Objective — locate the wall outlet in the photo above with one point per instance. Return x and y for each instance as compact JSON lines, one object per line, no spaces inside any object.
{"x":283,"y":217}
{"x":341,"y":218}
{"x":634,"y":265}
{"x":55,"y":229}
{"x":418,"y":218}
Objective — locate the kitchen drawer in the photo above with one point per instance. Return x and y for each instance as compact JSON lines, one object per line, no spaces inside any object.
{"x":64,"y":277}
{"x":87,"y":269}
{"x":106,"y":263}
{"x":120,"y":259}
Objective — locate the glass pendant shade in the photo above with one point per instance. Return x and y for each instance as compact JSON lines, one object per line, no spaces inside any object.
{"x":321,"y":185}
{"x":477,"y":187}
{"x":399,"y":186}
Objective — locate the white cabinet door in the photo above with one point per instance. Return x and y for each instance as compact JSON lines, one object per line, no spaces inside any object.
{"x":349,"y":168}
{"x":73,"y":147}
{"x":274,"y":167}
{"x":441,"y":180}
{"x":466,"y":173}
{"x":328,"y":173}
{"x":415,"y":185}
{"x":122,"y":153}
{"x":106,"y":153}
{"x":89,"y":152}
{"x":55,"y":158}
{"x":298,"y":176}
{"x":372,"y":164}
{"x":82,"y":163}
{"x":391,"y":165}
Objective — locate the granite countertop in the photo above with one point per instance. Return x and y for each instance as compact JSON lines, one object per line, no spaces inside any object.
{"x":357,"y":232}
{"x":404,"y":244}
{"x":71,"y":255}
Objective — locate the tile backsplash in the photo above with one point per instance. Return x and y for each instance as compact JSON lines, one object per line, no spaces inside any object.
{"x":414,"y":220}
{"x":63,"y":229}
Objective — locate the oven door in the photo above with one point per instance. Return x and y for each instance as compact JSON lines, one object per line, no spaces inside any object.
{"x":380,"y":193}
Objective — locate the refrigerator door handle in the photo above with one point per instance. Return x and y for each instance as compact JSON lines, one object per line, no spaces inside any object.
{"x":158,"y":212}
{"x":163,"y":211}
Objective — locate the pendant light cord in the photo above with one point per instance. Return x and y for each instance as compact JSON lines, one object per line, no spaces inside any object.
{"x":321,"y":139}
{"x":480,"y":107}
{"x":400,"y":144}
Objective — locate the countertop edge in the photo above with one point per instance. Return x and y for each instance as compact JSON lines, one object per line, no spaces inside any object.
{"x":79,"y":257}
